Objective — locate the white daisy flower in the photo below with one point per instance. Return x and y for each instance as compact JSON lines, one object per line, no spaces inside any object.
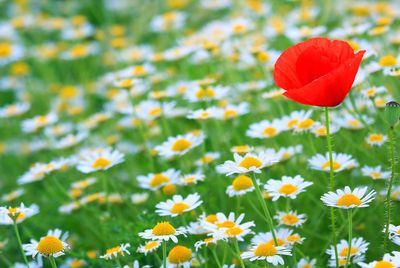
{"x":208,"y":158}
{"x":196,"y":228}
{"x":291,"y":218}
{"x":179,"y":145}
{"x":207,"y":93}
{"x":376,"y":139}
{"x":163,"y":231}
{"x":51,"y":245}
{"x":33,"y":124}
{"x":12,"y":195}
{"x":139,"y":198}
{"x":286,"y":187}
{"x":349,"y":121}
{"x":115,"y":251}
{"x":232,"y":111}
{"x":265,"y":129}
{"x":341,"y":162}
{"x":207,"y":241}
{"x":358,"y":247}
{"x":251,"y":162}
{"x":241,"y":185}
{"x":178,"y":205}
{"x":149,"y":110}
{"x":320,"y":130}
{"x":14,"y":109}
{"x":102,"y":160}
{"x":156,"y":181}
{"x":203,"y":114}
{"x":8,"y":215}
{"x":373,"y":91}
{"x":303,"y":263}
{"x":264,"y":248}
{"x":375,"y":173}
{"x":348,"y":199}
{"x":149,"y":247}
{"x":285,"y":153}
{"x":387,"y":261}
{"x":191,"y":179}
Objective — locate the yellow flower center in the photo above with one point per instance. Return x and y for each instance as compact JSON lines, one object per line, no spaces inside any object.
{"x":305,"y":123}
{"x":230,"y":113}
{"x":290,"y":219}
{"x":280,"y":242}
{"x":344,"y":252}
{"x":209,"y":239}
{"x":383,"y":264}
{"x":293,"y":238}
{"x":354,"y":123}
{"x":354,"y":45}
{"x":265,"y":250}
{"x":292,"y":123}
{"x":169,"y":189}
{"x":262,"y":56}
{"x":242,"y":182}
{"x":12,"y":109}
{"x":376,"y":138}
{"x":181,"y":145}
{"x":250,"y":161}
{"x":335,"y":165}
{"x":388,"y":60}
{"x":211,"y":218}
{"x":101,"y":163}
{"x":163,"y":228}
{"x":179,"y":254}
{"x":78,"y":51}
{"x":376,"y":175}
{"x":50,"y":245}
{"x":370,"y":92}
{"x":348,"y":200}
{"x":151,"y":245}
{"x":238,"y":28}
{"x":288,"y":189}
{"x":270,"y":131}
{"x":226,"y":224}
{"x":41,"y":120}
{"x":113,"y":250}
{"x":158,"y":179}
{"x":156,"y":111}
{"x":5,"y":49}
{"x":179,"y":208}
{"x":306,"y":266}
{"x":241,"y":149}
{"x":76,"y":263}
{"x":234,"y":231}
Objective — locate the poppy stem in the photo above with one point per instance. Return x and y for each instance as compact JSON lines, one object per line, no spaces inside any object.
{"x":389,"y":192}
{"x":19,"y":241}
{"x":328,"y":139}
{"x":265,"y":208}
{"x":350,"y":215}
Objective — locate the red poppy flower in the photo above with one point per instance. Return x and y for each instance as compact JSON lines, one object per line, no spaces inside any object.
{"x":318,"y":71}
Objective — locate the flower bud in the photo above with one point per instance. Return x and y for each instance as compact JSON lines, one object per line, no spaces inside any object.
{"x":392,"y":111}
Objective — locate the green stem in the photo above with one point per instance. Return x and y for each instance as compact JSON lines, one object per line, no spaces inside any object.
{"x":350,"y":215}
{"x":238,"y":253}
{"x":265,"y":208}
{"x":164,"y":254}
{"x":53,"y":262}
{"x":216,"y":258}
{"x":19,"y":242}
{"x":389,"y":192}
{"x":118,"y":263}
{"x":328,"y":139}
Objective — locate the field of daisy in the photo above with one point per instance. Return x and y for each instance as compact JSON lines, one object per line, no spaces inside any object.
{"x":212,"y":133}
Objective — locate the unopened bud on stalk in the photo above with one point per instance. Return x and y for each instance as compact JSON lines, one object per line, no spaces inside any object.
{"x":392,"y":111}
